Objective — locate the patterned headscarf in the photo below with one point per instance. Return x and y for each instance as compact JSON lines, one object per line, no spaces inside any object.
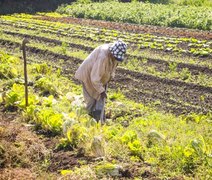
{"x":118,"y":49}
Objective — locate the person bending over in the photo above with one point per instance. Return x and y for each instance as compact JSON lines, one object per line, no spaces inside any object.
{"x":96,"y":71}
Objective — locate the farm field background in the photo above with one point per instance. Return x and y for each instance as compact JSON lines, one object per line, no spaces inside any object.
{"x":144,"y":13}
{"x":159,"y":106}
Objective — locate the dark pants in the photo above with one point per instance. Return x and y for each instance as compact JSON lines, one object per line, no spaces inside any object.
{"x":93,"y":106}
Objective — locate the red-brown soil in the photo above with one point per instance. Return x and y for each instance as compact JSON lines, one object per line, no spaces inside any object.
{"x":24,"y":153}
{"x":156,"y":30}
{"x":169,"y":95}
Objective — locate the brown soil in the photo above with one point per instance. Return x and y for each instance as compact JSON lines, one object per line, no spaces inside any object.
{"x":63,"y":160}
{"x":183,"y":45}
{"x":169,"y":95}
{"x":160,"y":64}
{"x":156,"y":30}
{"x":17,"y":174}
{"x":24,"y":154}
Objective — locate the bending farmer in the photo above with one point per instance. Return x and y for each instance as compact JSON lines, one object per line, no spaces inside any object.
{"x":96,"y":71}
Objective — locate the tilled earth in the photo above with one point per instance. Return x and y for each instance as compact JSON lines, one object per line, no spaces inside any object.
{"x":161,"y":65}
{"x":32,"y":154}
{"x":169,"y":95}
{"x":177,"y":32}
{"x":25,"y":153}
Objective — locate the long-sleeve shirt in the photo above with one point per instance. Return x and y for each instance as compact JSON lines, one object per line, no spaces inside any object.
{"x":96,"y":70}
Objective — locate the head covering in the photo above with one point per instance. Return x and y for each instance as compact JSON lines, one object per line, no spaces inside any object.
{"x":118,"y":50}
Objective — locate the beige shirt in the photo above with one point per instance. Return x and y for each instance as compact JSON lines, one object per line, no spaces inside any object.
{"x":96,"y":70}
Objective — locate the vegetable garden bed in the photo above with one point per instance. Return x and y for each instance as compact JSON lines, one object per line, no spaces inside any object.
{"x":140,"y":141}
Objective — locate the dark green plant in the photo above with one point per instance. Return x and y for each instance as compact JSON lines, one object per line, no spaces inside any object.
{"x":158,"y":1}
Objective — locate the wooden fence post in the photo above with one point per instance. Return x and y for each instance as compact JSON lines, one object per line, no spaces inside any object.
{"x":25,"y":41}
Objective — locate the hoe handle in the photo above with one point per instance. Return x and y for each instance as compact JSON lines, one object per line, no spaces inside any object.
{"x":103,"y":109}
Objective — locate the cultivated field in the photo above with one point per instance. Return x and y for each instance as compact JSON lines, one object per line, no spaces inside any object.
{"x":159,"y":106}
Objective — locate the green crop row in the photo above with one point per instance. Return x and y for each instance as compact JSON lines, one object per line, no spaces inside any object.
{"x":141,"y":41}
{"x":89,"y":43}
{"x":134,"y":64}
{"x":134,"y":134}
{"x":143,"y":13}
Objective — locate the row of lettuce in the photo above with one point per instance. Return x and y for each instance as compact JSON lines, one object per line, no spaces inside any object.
{"x":26,"y":23}
{"x":69,"y":45}
{"x":143,"y":13}
{"x":133,"y":133}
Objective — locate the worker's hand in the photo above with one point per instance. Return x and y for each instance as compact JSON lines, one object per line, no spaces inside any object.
{"x":103,"y":95}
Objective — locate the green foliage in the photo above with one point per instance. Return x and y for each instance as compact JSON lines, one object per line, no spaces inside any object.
{"x":42,"y":69}
{"x":97,"y":146}
{"x":135,"y":148}
{"x":108,"y":169}
{"x":143,"y":13}
{"x":195,"y":2}
{"x":83,"y":1}
{"x":46,"y":86}
{"x":129,"y":136}
{"x":49,"y":120}
{"x":68,"y":122}
{"x":16,"y":97}
{"x":153,"y":134}
{"x":111,"y":132}
{"x":29,"y":113}
{"x":64,"y":48}
{"x":159,"y":1}
{"x":172,"y":66}
{"x":193,"y":117}
{"x":6,"y":58}
{"x":194,"y":153}
{"x":185,"y":74}
{"x":7,"y":69}
{"x":7,"y":72}
{"x":77,"y":135}
{"x":116,"y":95}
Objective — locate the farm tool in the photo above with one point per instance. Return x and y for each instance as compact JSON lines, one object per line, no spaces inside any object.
{"x":102,"y":118}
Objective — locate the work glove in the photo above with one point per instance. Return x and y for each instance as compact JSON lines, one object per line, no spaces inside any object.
{"x":103,"y":95}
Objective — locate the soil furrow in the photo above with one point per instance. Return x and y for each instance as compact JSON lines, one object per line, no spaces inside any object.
{"x":144,"y":97}
{"x":176,"y":93}
{"x":163,"y":65}
{"x":130,"y":43}
{"x":156,"y":30}
{"x":45,"y":40}
{"x":134,"y":74}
